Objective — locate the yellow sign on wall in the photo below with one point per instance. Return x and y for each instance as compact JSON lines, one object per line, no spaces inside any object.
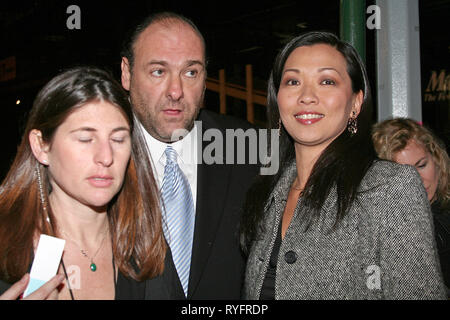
{"x":438,"y":88}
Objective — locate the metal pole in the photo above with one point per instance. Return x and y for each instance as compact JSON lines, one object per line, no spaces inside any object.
{"x":398,"y":60}
{"x":353,"y":24}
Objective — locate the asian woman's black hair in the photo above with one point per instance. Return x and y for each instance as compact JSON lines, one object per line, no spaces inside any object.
{"x":342,"y":165}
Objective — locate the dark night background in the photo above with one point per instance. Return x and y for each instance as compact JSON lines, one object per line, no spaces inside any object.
{"x":236,"y":33}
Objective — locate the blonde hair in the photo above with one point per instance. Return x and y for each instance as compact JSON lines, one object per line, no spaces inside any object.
{"x":392,"y":136}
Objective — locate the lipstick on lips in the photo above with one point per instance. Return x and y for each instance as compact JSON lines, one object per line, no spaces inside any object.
{"x":100,"y":181}
{"x":308,"y":117}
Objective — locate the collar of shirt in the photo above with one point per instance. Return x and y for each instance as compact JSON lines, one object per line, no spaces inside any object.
{"x":186,"y":149}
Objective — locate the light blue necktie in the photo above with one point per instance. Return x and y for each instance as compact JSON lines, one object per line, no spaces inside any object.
{"x":178,"y":211}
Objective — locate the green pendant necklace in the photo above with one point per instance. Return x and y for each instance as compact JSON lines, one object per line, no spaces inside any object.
{"x":92,"y":266}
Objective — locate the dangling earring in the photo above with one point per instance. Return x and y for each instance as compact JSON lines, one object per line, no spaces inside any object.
{"x":279,"y":127}
{"x":41,"y":188}
{"x":352,"y":125}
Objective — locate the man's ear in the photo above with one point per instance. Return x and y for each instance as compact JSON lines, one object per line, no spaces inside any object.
{"x":126,"y":74}
{"x":38,"y":146}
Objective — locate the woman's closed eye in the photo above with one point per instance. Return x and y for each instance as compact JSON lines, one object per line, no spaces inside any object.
{"x":85,"y":139}
{"x":422,"y":165}
{"x":120,"y":135}
{"x":119,"y":139}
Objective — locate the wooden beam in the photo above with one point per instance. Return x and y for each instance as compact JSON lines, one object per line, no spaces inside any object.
{"x":235,"y":91}
{"x":222,"y":92}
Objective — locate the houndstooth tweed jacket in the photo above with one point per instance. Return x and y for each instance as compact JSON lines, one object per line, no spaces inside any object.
{"x":383,"y":249}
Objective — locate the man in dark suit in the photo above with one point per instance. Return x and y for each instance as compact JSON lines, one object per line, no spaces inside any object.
{"x":164,"y":69}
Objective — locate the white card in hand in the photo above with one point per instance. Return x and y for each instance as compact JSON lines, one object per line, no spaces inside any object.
{"x":45,"y":263}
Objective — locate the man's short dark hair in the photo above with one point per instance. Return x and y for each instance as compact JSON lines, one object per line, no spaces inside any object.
{"x":159,"y":17}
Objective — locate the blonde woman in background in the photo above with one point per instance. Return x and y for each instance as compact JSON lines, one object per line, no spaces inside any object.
{"x":405,"y":141}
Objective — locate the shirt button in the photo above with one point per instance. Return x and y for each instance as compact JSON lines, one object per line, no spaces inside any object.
{"x":290,"y":257}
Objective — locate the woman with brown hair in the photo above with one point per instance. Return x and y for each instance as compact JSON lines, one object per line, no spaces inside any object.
{"x":405,"y":141}
{"x":81,"y":173}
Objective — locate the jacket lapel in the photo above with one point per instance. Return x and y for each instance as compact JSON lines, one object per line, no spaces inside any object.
{"x":212,"y":186}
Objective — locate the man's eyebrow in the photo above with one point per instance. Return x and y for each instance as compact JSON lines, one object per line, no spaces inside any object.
{"x":194,"y":62}
{"x":161,"y":62}
{"x":189,"y":63}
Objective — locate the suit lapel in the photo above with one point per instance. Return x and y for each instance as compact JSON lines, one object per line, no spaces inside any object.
{"x":166,"y":286}
{"x":212,"y":186}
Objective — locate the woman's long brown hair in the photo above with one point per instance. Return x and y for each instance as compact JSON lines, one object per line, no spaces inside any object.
{"x":134,"y":213}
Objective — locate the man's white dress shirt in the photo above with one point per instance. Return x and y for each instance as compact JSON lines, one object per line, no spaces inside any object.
{"x":186,"y":149}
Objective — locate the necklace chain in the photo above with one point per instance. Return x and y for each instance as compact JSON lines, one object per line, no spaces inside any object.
{"x":84,"y":252}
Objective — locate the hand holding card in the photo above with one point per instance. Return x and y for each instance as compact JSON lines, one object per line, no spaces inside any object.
{"x":46,"y":262}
